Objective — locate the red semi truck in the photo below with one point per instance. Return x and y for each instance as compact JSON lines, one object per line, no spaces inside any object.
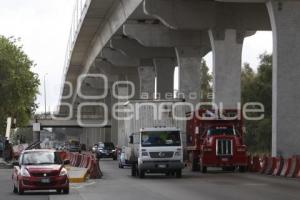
{"x":215,"y":139}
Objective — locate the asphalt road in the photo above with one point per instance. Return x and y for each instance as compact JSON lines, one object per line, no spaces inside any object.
{"x":6,"y":189}
{"x":118,"y":184}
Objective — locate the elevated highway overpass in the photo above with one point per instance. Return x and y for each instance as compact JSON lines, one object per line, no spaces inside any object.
{"x":143,"y":40}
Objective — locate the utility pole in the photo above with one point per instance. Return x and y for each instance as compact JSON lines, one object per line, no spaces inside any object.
{"x":45,"y":94}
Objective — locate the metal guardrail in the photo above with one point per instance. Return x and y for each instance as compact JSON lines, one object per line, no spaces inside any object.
{"x":79,"y":12}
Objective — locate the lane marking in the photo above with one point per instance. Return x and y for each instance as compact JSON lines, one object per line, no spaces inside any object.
{"x":82,"y":185}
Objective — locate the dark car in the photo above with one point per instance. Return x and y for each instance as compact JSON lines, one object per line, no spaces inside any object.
{"x":74,"y":146}
{"x":40,"y":170}
{"x":106,"y":150}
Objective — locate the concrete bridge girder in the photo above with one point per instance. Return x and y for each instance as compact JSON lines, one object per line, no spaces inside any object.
{"x":238,"y":16}
{"x":161,"y":57}
{"x":133,"y":49}
{"x":117,"y":58}
{"x":119,"y":73}
{"x":190,"y":47}
{"x":187,"y":56}
{"x":157,"y":35}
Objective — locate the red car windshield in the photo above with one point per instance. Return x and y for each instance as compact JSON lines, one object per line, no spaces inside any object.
{"x":40,"y":158}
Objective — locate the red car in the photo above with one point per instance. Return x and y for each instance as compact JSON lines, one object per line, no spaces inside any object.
{"x":40,"y":169}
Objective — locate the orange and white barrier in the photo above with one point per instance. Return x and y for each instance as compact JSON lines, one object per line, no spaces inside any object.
{"x":85,"y":160}
{"x":295,"y":165}
{"x":279,"y":162}
{"x":270,"y":165}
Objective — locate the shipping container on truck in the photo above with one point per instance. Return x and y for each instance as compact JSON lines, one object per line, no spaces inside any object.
{"x":154,"y":134}
{"x":215,"y":139}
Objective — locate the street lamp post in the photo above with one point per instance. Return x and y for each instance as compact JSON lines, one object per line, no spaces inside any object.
{"x":45,"y":94}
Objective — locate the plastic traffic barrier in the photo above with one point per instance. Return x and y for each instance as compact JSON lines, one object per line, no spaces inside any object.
{"x":264,"y":164}
{"x":271,"y":165}
{"x":94,"y":168}
{"x":278,"y":166}
{"x":78,"y":160}
{"x":254,"y":164}
{"x":62,"y":154}
{"x":73,"y":159}
{"x":84,"y":161}
{"x":286,"y":167}
{"x":295,"y":165}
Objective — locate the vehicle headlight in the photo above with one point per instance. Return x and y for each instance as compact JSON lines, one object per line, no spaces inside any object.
{"x":24,"y":172}
{"x":178,"y":153}
{"x":63,"y":172}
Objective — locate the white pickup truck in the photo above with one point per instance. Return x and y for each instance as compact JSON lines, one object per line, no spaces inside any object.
{"x":156,"y":150}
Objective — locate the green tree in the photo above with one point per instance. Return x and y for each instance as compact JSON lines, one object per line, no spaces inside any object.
{"x":18,"y":84}
{"x":206,"y":78}
{"x":257,"y":87}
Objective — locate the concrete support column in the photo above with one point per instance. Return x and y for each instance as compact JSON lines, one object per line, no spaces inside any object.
{"x":189,"y":62}
{"x":91,"y":136}
{"x":227,"y":57}
{"x":114,"y":124}
{"x":285,"y":22}
{"x":131,"y":74}
{"x":164,"y":68}
{"x":147,"y":80}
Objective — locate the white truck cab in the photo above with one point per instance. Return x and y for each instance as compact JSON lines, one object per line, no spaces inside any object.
{"x":156,"y":150}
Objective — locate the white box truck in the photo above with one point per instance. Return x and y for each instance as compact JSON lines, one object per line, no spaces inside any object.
{"x":155,"y":139}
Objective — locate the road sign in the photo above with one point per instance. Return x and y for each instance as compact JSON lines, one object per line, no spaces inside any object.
{"x":36,"y":127}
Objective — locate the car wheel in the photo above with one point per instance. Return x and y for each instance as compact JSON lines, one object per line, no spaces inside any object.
{"x":133,"y":171}
{"x":203,"y":169}
{"x":66,"y":191}
{"x":15,"y":190}
{"x":242,"y":169}
{"x":195,"y":165}
{"x":58,"y":191}
{"x":20,"y":191}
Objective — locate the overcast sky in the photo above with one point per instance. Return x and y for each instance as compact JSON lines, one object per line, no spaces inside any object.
{"x":44,"y":25}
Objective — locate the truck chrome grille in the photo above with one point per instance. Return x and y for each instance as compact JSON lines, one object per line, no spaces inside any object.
{"x":167,"y":154}
{"x":224,"y":147}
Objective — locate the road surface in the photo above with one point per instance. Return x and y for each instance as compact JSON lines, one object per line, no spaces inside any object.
{"x":118,"y":184}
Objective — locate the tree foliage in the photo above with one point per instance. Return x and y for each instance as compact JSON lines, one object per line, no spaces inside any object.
{"x":18,"y":84}
{"x":257,"y":87}
{"x":206,"y":79}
